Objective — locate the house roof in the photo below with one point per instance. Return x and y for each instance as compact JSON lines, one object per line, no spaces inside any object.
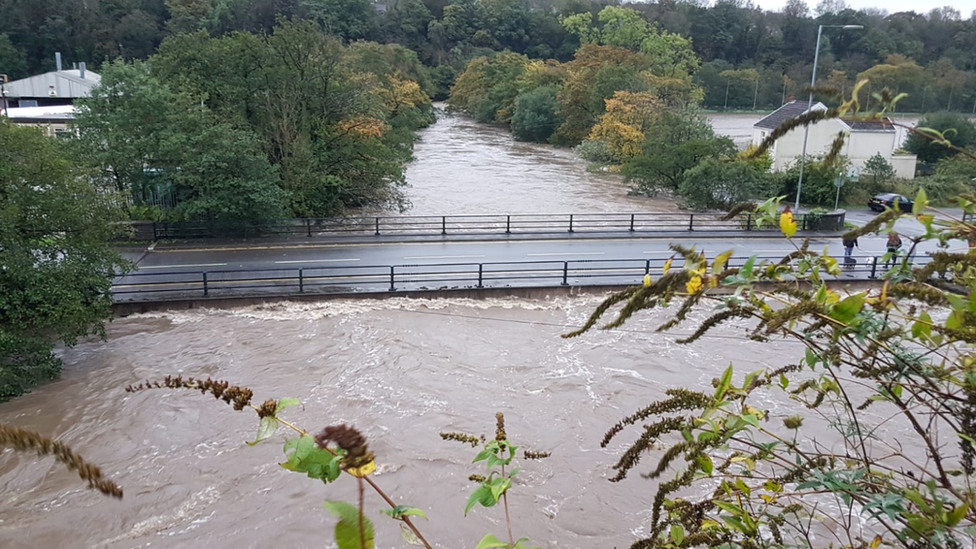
{"x":795,"y":108}
{"x":65,"y":84}
{"x":788,"y":111}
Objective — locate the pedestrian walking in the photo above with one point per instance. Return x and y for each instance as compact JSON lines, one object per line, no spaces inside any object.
{"x":893,"y":245}
{"x":849,"y":244}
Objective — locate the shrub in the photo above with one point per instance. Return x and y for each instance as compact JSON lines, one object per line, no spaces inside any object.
{"x":956,"y":128}
{"x":717,"y":184}
{"x":536,"y":115}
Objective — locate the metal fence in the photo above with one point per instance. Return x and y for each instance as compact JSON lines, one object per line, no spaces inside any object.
{"x":475,"y":225}
{"x":437,"y":276}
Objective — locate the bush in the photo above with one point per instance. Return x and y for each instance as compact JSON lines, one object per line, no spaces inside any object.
{"x":536,"y":115}
{"x":594,"y":151}
{"x":957,"y":129}
{"x":717,"y":184}
{"x":818,"y":183}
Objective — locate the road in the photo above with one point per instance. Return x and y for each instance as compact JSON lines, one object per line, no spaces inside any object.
{"x":440,"y":263}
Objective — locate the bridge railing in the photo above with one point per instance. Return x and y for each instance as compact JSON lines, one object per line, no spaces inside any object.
{"x":177,"y":283}
{"x":416,"y":225}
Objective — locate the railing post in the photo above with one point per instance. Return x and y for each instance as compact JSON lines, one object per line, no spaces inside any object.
{"x":308,"y":226}
{"x":804,"y":225}
{"x":565,"y":273}
{"x":392,"y":277}
{"x":206,"y":290}
{"x":508,"y":224}
{"x":377,"y":226}
{"x":647,"y":267}
{"x":874,"y":267}
{"x":749,"y":223}
{"x":155,"y":232}
{"x":691,"y":222}
{"x":443,"y":224}
{"x":570,"y":222}
{"x":301,"y":281}
{"x":631,"y":222}
{"x":480,"y":273}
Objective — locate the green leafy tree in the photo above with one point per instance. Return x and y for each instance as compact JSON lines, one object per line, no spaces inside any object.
{"x":956,"y":128}
{"x":57,"y":264}
{"x":346,"y":19}
{"x":13,"y":62}
{"x":678,"y":142}
{"x":877,"y":171}
{"x":718,"y":184}
{"x":143,"y":139}
{"x":536,"y":115}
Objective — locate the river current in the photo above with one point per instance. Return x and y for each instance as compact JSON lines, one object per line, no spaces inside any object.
{"x":401,"y":370}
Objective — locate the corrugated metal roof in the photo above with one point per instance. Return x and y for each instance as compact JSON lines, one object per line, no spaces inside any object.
{"x":66,"y":84}
{"x":788,"y":111}
{"x":54,"y":112}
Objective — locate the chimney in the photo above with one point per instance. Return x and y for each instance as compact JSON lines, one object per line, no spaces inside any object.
{"x":57,"y":60}
{"x":81,"y":70}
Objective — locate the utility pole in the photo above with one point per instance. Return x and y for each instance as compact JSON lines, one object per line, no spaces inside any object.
{"x":3,"y":95}
{"x":755,"y":95}
{"x":727,"y":82}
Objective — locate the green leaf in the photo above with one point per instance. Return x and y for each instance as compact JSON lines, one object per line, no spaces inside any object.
{"x":957,"y":514}
{"x":751,"y":420}
{"x":955,"y":320}
{"x":784,"y":382}
{"x":482,"y":495}
{"x":307,"y":457}
{"x":267,"y":427}
{"x":401,"y":511}
{"x":923,"y":327}
{"x":521,"y":544}
{"x":499,"y":486}
{"x":921,"y":202}
{"x":286,"y":403}
{"x":677,"y":533}
{"x":746,"y":270}
{"x":847,"y":309}
{"x":483,"y":455}
{"x":705,"y":463}
{"x":409,"y":537}
{"x":724,"y":383}
{"x":347,"y":530}
{"x":491,"y":542}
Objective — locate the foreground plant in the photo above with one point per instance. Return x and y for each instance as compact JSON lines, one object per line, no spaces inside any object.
{"x":891,"y":373}
{"x":24,"y":440}
{"x":497,"y":454}
{"x":325,"y":456}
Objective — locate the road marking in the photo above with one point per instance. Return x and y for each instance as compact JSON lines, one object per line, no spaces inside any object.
{"x":566,"y":253}
{"x":672,"y":252}
{"x":442,"y":256}
{"x":313,"y":261}
{"x":183,"y":266}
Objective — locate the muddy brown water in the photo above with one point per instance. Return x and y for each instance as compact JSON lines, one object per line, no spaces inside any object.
{"x":402,"y":370}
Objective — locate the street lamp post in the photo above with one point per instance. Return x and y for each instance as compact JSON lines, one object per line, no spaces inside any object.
{"x":813,"y":83}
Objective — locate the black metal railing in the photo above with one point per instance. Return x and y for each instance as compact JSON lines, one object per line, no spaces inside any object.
{"x":435,"y":276}
{"x":504,"y":224}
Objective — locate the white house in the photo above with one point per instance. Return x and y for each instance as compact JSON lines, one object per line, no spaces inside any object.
{"x":864,"y":140}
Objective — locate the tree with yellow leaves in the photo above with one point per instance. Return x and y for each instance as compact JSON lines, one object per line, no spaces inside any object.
{"x":622,"y":127}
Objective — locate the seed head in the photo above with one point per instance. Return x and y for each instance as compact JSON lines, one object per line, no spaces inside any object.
{"x":349,"y":439}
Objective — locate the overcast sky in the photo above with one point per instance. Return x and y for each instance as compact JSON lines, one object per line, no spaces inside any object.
{"x":965,"y":7}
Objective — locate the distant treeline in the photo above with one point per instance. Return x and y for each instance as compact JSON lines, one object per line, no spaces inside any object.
{"x":750,"y":57}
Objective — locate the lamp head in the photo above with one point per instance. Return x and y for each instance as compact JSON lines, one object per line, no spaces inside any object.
{"x":852,"y":27}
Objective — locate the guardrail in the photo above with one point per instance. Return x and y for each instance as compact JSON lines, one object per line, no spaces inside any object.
{"x":392,"y":278}
{"x":473,"y":225}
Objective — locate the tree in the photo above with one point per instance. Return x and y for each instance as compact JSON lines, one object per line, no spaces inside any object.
{"x":676,"y":143}
{"x":877,"y":171}
{"x":13,"y":62}
{"x":622,"y":127}
{"x":536,"y":115}
{"x":346,"y":19}
{"x":956,"y":128}
{"x":57,"y":264}
{"x":718,"y":184}
{"x":488,"y":87}
{"x":145,"y":139}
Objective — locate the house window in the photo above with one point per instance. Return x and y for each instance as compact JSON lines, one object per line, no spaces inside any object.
{"x":27,"y":103}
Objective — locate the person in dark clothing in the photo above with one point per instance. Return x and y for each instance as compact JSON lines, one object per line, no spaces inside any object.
{"x":893,"y":245}
{"x":849,"y":244}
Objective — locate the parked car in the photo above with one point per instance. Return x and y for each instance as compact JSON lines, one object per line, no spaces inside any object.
{"x":887,"y":200}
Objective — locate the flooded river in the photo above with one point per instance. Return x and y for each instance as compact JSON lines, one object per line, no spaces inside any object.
{"x":463,"y":167}
{"x":401,"y":370}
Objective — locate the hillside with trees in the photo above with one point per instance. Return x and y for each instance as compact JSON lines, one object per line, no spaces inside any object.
{"x":750,"y":58}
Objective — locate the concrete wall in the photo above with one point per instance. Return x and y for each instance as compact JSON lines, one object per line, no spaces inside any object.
{"x":789,"y":148}
{"x":129,"y":308}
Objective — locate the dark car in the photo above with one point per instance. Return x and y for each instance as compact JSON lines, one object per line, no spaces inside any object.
{"x":887,"y":200}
